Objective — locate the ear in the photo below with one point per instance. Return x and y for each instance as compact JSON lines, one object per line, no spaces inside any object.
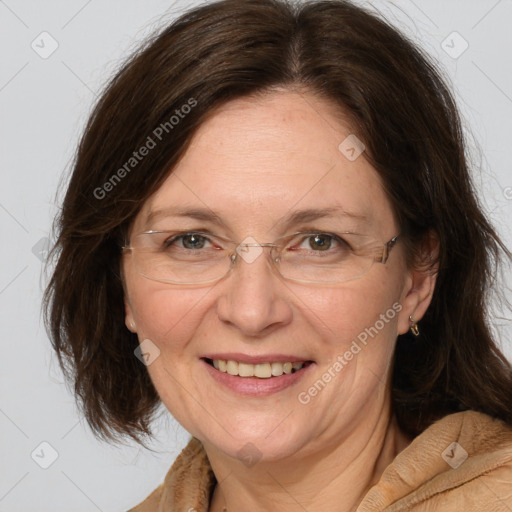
{"x":419,"y":284}
{"x":129,"y":320}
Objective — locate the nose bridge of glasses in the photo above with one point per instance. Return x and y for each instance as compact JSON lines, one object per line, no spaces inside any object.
{"x":256,"y":244}
{"x":250,"y":251}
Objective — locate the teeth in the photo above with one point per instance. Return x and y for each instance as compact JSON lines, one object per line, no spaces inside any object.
{"x":277,"y":369}
{"x":245,"y":370}
{"x":232,"y":368}
{"x":262,"y":370}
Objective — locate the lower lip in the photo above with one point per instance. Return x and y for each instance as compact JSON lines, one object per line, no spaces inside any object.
{"x":254,"y":386}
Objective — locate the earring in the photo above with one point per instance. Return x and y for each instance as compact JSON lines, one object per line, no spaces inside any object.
{"x":414,"y":326}
{"x":132,"y":324}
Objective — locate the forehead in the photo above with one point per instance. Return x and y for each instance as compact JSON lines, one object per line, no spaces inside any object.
{"x":257,"y":160}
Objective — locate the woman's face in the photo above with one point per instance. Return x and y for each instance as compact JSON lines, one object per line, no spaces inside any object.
{"x":253,"y":165}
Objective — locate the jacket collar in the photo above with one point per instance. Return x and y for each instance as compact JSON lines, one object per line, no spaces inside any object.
{"x":454,"y":450}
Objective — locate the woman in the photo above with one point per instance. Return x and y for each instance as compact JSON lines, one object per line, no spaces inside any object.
{"x":271,"y":229}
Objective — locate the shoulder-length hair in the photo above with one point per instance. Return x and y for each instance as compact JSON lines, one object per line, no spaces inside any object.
{"x":398,"y":105}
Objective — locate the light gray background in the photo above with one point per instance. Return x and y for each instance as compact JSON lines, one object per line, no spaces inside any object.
{"x":43,"y":106}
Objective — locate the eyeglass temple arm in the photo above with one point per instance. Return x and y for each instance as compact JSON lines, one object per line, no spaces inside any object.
{"x":387,"y":249}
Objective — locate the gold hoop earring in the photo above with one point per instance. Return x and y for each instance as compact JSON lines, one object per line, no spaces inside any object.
{"x":414,"y":326}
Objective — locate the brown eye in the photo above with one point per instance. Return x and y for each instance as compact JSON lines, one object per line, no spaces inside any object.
{"x":320,"y":242}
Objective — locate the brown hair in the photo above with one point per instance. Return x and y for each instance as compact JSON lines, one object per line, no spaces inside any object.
{"x":399,"y":107}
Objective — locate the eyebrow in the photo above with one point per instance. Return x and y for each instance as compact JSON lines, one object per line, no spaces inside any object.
{"x":203,"y":214}
{"x":296,"y":217}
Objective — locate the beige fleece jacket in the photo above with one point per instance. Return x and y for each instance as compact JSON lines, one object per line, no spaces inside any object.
{"x":431,"y":474}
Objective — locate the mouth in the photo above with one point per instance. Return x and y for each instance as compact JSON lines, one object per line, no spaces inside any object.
{"x":262,"y":370}
{"x":256,"y":376}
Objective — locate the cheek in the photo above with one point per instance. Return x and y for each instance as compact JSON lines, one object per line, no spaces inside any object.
{"x":362,"y":309}
{"x":360,"y":325}
{"x":167,"y":316}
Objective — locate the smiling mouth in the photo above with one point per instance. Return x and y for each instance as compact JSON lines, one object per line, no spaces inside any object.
{"x":261,"y":370}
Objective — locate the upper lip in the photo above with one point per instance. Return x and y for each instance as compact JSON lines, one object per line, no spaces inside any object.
{"x":257,"y":359}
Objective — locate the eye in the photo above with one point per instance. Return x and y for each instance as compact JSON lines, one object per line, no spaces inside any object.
{"x":323,"y":242}
{"x":320,"y":242}
{"x":190,"y":241}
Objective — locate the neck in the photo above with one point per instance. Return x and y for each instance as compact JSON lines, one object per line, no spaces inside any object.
{"x":337,"y":478}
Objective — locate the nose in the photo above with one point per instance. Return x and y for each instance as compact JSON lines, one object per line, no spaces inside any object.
{"x":253,"y":297}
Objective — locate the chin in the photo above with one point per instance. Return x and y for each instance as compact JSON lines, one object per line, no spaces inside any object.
{"x":252,"y":443}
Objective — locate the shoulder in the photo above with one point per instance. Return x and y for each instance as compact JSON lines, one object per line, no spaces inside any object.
{"x":469,"y":435}
{"x":187,"y":485}
{"x":461,"y":462}
{"x":478,"y":472}
{"x":151,"y":503}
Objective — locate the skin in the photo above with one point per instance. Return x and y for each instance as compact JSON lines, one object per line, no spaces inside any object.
{"x":253,"y":162}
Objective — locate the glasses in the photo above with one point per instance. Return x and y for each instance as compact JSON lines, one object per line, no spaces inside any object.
{"x":195,"y":257}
